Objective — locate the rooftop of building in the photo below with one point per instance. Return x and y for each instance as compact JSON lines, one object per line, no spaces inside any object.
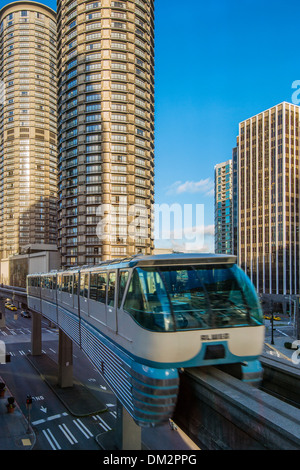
{"x":26,"y":2}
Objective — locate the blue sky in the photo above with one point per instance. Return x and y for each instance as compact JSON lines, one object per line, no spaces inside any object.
{"x":216,"y":64}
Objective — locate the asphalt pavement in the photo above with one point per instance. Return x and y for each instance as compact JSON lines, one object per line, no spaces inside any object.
{"x":283,"y":334}
{"x":17,"y":434}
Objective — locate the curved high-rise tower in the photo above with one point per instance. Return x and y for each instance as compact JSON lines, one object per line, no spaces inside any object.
{"x":28,"y":126}
{"x":106,"y":128}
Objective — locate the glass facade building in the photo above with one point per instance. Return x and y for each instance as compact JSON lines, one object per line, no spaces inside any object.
{"x":105,"y":129}
{"x":28,"y":126}
{"x":268,"y":199}
{"x":223,"y":208}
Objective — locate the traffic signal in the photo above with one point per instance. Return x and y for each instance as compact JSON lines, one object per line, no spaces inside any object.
{"x":28,"y":401}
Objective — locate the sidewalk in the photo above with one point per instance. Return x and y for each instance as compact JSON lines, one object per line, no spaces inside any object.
{"x":15,"y":434}
{"x":78,"y":399}
{"x":282,"y":333}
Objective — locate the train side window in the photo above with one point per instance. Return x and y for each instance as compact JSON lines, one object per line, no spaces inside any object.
{"x":59,"y":282}
{"x":53,"y":282}
{"x":123,"y":278}
{"x":65,"y":283}
{"x":111,"y":289}
{"x":82,"y":282}
{"x":70,"y":285}
{"x":147,"y":301}
{"x":93,"y":286}
{"x":86,"y":286}
{"x":101,"y":287}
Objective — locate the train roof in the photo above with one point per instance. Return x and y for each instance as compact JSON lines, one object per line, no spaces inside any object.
{"x":182,"y":259}
{"x":179,"y":259}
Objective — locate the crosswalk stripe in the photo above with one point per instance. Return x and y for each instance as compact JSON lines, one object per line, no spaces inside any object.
{"x":67,"y":433}
{"x":50,"y":438}
{"x":85,"y":431}
{"x":102,"y":423}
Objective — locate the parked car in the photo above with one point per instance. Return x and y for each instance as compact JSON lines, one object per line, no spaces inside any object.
{"x":268,"y":316}
{"x":25,"y":314}
{"x":12,"y":308}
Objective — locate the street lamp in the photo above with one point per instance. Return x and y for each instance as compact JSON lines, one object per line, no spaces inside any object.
{"x":295,"y":314}
{"x":272,"y":328}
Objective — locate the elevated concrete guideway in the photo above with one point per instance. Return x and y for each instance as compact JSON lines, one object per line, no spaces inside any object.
{"x":215,"y":410}
{"x":65,"y":371}
{"x":17,"y":294}
{"x":128,"y":433}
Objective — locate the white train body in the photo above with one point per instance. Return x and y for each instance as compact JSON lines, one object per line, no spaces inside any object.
{"x":150,"y":316}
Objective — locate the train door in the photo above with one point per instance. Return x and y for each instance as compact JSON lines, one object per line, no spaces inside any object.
{"x":58,"y":288}
{"x":122,"y":317}
{"x":75,"y":293}
{"x":111,"y":307}
{"x":84,"y":292}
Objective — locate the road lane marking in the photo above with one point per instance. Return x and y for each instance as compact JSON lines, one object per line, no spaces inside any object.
{"x":67,"y":433}
{"x":39,"y":421}
{"x":102,"y":423}
{"x":85,"y":431}
{"x":50,"y":438}
{"x":50,"y":418}
{"x":12,"y":332}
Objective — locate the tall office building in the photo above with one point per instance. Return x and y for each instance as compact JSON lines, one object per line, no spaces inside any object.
{"x":268,"y":177}
{"x":28,"y":126}
{"x":223,"y":208}
{"x":235,"y":188}
{"x":106,"y":128}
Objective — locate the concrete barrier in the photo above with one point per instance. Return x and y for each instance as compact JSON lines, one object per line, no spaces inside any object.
{"x":281,"y":379}
{"x":218,"y":411}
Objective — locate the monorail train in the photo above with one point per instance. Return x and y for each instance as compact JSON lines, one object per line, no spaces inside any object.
{"x":141,"y":320}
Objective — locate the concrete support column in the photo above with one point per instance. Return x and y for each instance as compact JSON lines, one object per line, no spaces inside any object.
{"x":65,"y":360}
{"x":2,"y":320}
{"x":36,"y":334}
{"x":284,"y":309}
{"x":128,"y":433}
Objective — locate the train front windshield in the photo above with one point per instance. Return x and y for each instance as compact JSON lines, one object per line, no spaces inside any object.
{"x":192,"y":297}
